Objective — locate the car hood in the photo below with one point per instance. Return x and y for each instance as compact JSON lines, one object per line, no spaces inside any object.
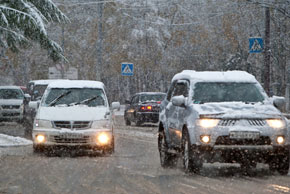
{"x":72,"y":113}
{"x":237,"y":110}
{"x":11,"y":101}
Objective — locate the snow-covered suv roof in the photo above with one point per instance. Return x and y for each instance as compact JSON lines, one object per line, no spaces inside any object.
{"x":10,"y":87}
{"x":76,"y":84}
{"x":216,"y":76}
{"x":44,"y":81}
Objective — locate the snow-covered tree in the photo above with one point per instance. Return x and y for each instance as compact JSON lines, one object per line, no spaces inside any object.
{"x":24,"y":21}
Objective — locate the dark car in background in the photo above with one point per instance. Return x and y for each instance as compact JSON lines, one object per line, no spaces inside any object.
{"x":143,"y":107}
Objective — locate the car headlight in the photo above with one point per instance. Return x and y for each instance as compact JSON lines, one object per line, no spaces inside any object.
{"x":208,"y":123}
{"x":103,"y":138}
{"x":101,"y":124}
{"x":276,"y":123}
{"x":42,"y":123}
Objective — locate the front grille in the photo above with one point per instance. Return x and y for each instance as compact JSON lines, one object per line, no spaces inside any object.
{"x":10,"y":106}
{"x":78,"y":125}
{"x":62,"y":124}
{"x":225,"y":140}
{"x":10,"y":114}
{"x":227,"y":122}
{"x":58,"y":139}
{"x":257,"y":122}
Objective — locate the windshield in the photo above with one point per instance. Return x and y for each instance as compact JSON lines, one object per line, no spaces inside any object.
{"x":155,"y":97}
{"x":11,"y":94}
{"x":226,"y":92}
{"x":72,"y":96}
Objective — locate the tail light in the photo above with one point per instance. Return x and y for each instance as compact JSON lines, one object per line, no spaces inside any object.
{"x":158,"y":102}
{"x":146,"y":107}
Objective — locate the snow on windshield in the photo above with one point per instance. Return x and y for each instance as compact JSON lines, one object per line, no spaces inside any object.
{"x":226,"y":92}
{"x":90,"y":96}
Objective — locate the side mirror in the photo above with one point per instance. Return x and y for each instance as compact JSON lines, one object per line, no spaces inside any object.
{"x":127,"y":101}
{"x":34,"y":104}
{"x":116,"y":105}
{"x":27,"y":97}
{"x":279,"y":102}
{"x":178,"y":101}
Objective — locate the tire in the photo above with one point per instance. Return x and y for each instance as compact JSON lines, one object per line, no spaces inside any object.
{"x":190,"y":155}
{"x":111,"y":149}
{"x":127,"y":122}
{"x":167,"y":160}
{"x":37,"y":149}
{"x":280,"y":163}
{"x":139,"y":123}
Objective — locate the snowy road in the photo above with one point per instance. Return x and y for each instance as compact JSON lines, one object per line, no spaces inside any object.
{"x":133,"y":168}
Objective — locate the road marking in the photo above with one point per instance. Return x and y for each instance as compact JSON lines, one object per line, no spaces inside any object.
{"x":280,"y":188}
{"x":193,"y":187}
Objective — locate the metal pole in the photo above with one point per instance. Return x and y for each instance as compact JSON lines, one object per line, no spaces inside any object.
{"x":267,"y":54}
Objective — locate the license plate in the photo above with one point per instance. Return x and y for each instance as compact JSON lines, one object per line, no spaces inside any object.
{"x":244,"y":135}
{"x":71,"y":136}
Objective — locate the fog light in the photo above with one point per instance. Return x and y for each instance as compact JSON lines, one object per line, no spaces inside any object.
{"x":280,"y":139}
{"x":103,"y":138}
{"x":40,"y":138}
{"x":205,"y":138}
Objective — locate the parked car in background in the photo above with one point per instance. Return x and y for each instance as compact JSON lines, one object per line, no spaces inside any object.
{"x":74,"y":114}
{"x":12,"y":103}
{"x":222,"y":117}
{"x":143,"y":107}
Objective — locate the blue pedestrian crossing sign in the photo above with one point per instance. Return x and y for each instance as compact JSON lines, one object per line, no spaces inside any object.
{"x":127,"y":69}
{"x":256,"y":45}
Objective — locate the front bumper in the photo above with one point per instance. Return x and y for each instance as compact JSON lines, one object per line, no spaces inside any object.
{"x":11,"y":114}
{"x":148,"y":117}
{"x":84,"y":138}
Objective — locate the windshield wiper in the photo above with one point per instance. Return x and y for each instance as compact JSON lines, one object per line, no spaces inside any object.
{"x":86,"y":101}
{"x":58,"y":98}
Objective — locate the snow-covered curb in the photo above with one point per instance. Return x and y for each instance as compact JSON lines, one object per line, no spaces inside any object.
{"x":10,"y":141}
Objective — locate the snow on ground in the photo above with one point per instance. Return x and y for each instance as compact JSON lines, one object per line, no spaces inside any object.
{"x":10,"y":141}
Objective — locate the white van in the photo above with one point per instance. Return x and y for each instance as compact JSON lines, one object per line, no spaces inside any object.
{"x":74,"y":113}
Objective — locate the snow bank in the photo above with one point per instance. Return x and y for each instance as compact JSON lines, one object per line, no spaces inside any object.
{"x":10,"y":141}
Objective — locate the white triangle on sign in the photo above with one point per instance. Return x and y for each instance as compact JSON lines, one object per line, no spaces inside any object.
{"x":127,"y":69}
{"x":256,"y":46}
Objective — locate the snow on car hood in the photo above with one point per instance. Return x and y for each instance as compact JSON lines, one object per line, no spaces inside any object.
{"x":72,"y":113}
{"x":237,"y":110}
{"x":11,"y":101}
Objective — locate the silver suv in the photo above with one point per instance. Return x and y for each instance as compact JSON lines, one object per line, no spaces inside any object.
{"x":222,"y":117}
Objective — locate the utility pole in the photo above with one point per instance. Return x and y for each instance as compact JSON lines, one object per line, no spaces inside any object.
{"x":100,"y":40}
{"x":267,"y":52}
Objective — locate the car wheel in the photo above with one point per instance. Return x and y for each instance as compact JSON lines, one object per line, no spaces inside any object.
{"x":111,"y":149}
{"x":127,"y":122}
{"x":38,"y":149}
{"x":190,"y":155}
{"x":139,"y":123}
{"x":280,"y":163}
{"x":166,"y":159}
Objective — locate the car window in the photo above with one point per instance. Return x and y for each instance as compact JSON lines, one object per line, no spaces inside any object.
{"x":226,"y":92}
{"x":75,"y":95}
{"x":181,"y":88}
{"x":11,"y":94}
{"x":170,"y":91}
{"x":152,"y":97}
